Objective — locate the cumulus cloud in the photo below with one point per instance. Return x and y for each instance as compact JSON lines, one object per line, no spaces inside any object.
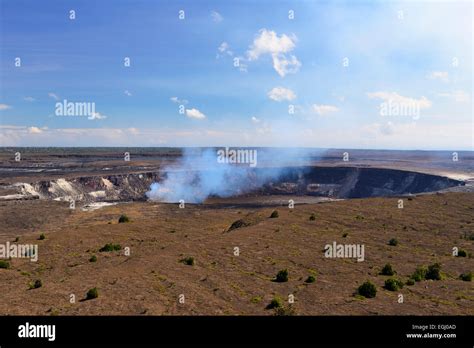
{"x":195,"y":113}
{"x":127,"y":93}
{"x":5,"y":107}
{"x":34,"y":130}
{"x":29,"y":99}
{"x":96,"y":116}
{"x":53,"y":95}
{"x":324,"y":109}
{"x":267,"y":42}
{"x":439,"y":75}
{"x":216,"y":16}
{"x":255,"y":120}
{"x":393,"y":97}
{"x":458,"y":96}
{"x":280,"y":93}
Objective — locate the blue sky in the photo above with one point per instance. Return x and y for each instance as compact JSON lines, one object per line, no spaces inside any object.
{"x":403,"y":53}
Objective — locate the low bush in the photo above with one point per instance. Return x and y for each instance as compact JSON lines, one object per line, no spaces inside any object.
{"x":367,"y":290}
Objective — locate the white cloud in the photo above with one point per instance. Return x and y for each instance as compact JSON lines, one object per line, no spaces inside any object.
{"x":224,"y":49}
{"x":255,"y":120}
{"x":178,"y":101}
{"x":393,"y":97}
{"x":268,"y":42}
{"x":459,"y":96}
{"x":54,"y":96}
{"x":324,"y":109}
{"x":5,"y":107}
{"x":34,"y":130}
{"x":96,"y":116}
{"x":439,"y":75}
{"x":281,"y":93}
{"x":283,"y":65}
{"x":216,"y":17}
{"x":127,"y":93}
{"x":195,"y":113}
{"x":29,"y":99}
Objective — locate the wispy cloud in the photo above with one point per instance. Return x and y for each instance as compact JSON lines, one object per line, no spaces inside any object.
{"x":216,"y":16}
{"x":53,"y":95}
{"x":5,"y":107}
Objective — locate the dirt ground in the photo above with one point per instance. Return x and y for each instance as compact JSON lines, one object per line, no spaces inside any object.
{"x":151,"y":280}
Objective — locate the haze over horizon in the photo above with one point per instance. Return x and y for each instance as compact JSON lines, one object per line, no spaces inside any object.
{"x":333,"y":64}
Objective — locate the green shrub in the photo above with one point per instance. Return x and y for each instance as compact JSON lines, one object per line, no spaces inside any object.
{"x":312,"y":217}
{"x":467,"y":277}
{"x":274,"y":214}
{"x":276,"y":302}
{"x":462,"y":253}
{"x":282,"y":276}
{"x":410,"y":282}
{"x":434,"y":272}
{"x":37,"y":284}
{"x":367,"y":290}
{"x":284,"y":311}
{"x":92,"y":293}
{"x":93,"y":259}
{"x":123,"y":218}
{"x":419,"y":274}
{"x":393,"y":242}
{"x":310,"y":279}
{"x":188,"y":261}
{"x":387,"y":270}
{"x":42,"y":237}
{"x":256,"y":299}
{"x":4,"y":264}
{"x":393,"y":284}
{"x":110,"y":247}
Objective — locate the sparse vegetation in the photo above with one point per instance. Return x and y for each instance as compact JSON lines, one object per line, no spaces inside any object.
{"x":123,"y":218}
{"x":311,"y":279}
{"x":256,"y":299}
{"x":393,"y":284}
{"x":282,"y":276}
{"x":36,"y":284}
{"x":42,"y":237}
{"x":4,"y":264}
{"x":285,"y":311}
{"x":93,"y":258}
{"x":410,"y":282}
{"x":238,"y":224}
{"x":110,"y":247}
{"x":367,"y":290}
{"x":344,"y":235}
{"x":393,"y":242}
{"x":274,"y":214}
{"x":312,"y":217}
{"x":467,"y":277}
{"x":419,"y":274}
{"x":387,"y":270}
{"x":188,"y":261}
{"x":434,"y":272}
{"x":92,"y":293}
{"x":276,"y":302}
{"x":359,"y":217}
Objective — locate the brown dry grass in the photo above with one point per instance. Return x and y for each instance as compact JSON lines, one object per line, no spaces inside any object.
{"x":150,"y":280}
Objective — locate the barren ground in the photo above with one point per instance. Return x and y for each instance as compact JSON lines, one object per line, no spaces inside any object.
{"x":150,"y":280}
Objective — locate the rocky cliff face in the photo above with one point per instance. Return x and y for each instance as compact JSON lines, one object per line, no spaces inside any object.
{"x":336,"y":182}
